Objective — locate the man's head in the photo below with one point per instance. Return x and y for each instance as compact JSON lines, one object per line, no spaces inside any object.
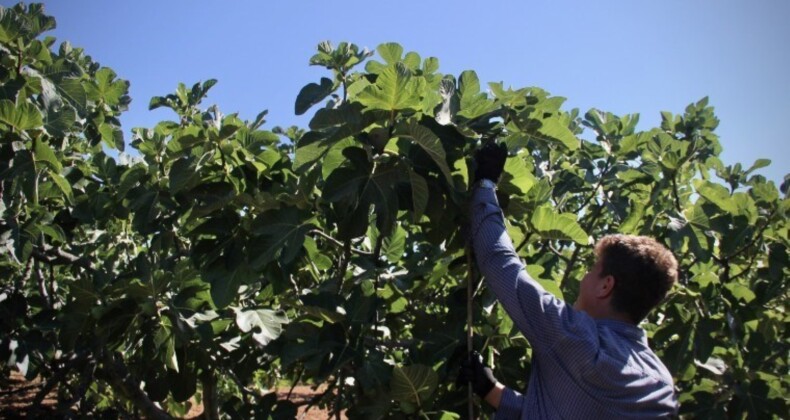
{"x":631,"y":275}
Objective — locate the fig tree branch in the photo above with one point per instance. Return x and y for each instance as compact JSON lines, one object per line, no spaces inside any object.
{"x":339,"y":244}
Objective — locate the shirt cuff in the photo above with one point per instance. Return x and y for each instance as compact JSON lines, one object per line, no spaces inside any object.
{"x":485,"y":183}
{"x":509,"y":405}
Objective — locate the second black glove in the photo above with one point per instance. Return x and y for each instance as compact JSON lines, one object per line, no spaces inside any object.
{"x":479,"y":375}
{"x":490,"y":161}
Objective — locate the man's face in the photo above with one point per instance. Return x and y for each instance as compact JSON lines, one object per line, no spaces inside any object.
{"x":587,"y":289}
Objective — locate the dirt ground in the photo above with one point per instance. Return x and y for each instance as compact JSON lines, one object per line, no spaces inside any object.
{"x":18,"y":394}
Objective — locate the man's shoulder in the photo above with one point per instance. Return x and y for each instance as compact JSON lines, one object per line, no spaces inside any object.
{"x":624,"y":348}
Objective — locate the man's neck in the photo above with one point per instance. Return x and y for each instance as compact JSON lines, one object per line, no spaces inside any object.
{"x":612,"y":315}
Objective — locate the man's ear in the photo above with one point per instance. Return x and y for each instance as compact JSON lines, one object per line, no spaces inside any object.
{"x":606,"y":286}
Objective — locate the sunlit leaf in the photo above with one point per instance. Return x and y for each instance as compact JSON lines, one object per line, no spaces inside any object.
{"x":413,"y":384}
{"x":265,"y":324}
{"x":21,"y":117}
{"x":394,"y":90}
{"x":553,"y":225}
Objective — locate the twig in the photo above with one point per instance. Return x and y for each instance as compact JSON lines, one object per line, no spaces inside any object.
{"x":569,"y":266}
{"x":337,"y":243}
{"x":344,"y":259}
{"x":675,"y":193}
{"x":42,"y":287}
{"x":376,"y":300}
{"x":79,"y":393}
{"x":557,"y":253}
{"x":245,"y":392}
{"x":470,"y":278}
{"x":524,"y":242}
{"x":296,"y":382}
{"x":121,"y":380}
{"x":312,"y":402}
{"x":59,"y":376}
{"x":52,"y":254}
{"x":601,"y":178}
{"x":339,"y":397}
{"x":20,"y":283}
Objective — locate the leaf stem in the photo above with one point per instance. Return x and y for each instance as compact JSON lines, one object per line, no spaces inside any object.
{"x":344,"y":259}
{"x":569,"y":267}
{"x":675,"y":194}
{"x":345,"y":85}
{"x":601,"y":177}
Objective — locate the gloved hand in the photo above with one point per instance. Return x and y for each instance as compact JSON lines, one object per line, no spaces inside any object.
{"x":490,"y":161}
{"x":481,"y":377}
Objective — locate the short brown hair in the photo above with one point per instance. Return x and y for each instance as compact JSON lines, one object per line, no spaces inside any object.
{"x":644,"y":270}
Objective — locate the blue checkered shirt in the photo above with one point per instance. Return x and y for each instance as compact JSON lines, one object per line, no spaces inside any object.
{"x":582,"y":368}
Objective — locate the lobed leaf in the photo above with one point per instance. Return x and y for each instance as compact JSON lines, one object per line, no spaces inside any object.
{"x":394,"y":90}
{"x":413,"y":384}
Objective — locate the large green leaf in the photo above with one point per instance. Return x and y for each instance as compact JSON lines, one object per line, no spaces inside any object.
{"x":183,"y":175}
{"x":428,"y":142}
{"x":359,"y":186}
{"x":553,"y":225}
{"x":473,"y":103}
{"x":312,"y":94}
{"x":419,"y":195}
{"x":265,"y":324}
{"x":106,"y":88}
{"x":740,"y":292}
{"x":71,"y":89}
{"x":112,"y":136}
{"x":737,"y":204}
{"x":64,"y":186}
{"x":413,"y":384}
{"x":24,"y":22}
{"x":556,"y":127}
{"x":278,"y":233}
{"x":334,"y":157}
{"x":10,"y":25}
{"x":391,"y":52}
{"x":310,"y":151}
{"x":225,"y":281}
{"x":394,"y":245}
{"x":45,"y":154}
{"x":394,"y":90}
{"x":165,"y":341}
{"x":518,"y":174}
{"x":21,"y":117}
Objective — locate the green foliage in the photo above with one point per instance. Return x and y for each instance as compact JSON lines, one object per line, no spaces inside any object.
{"x":218,"y":259}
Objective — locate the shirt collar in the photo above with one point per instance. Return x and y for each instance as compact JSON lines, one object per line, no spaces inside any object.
{"x":631,"y":331}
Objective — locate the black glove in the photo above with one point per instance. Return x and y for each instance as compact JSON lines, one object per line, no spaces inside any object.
{"x":473,"y":370}
{"x":490,"y":161}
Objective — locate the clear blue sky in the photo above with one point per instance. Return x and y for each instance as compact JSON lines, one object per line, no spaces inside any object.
{"x":622,"y":56}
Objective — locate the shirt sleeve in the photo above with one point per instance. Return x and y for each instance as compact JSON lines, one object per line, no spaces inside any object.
{"x":543,"y":319}
{"x":510,"y":405}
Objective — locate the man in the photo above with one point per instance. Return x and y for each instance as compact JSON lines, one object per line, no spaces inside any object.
{"x":591,"y":360}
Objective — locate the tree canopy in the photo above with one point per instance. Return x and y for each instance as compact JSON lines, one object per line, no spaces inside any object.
{"x":220,"y":258}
